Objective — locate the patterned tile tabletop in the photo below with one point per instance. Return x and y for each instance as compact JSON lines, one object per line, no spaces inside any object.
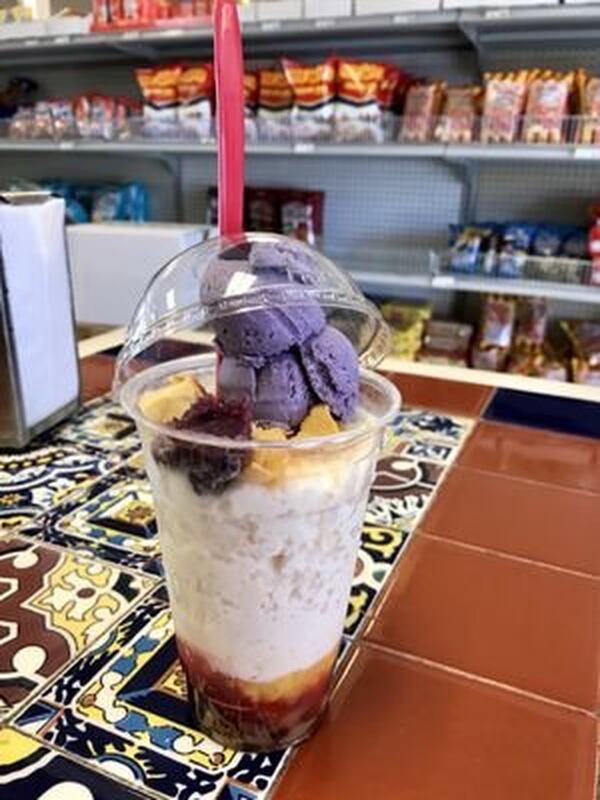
{"x":92,"y":697}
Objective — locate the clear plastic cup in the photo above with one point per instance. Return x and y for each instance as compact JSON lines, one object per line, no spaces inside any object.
{"x":259,"y":570}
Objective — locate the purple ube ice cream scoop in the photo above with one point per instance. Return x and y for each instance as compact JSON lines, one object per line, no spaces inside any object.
{"x":331,"y":365}
{"x":268,"y":332}
{"x":278,"y":391}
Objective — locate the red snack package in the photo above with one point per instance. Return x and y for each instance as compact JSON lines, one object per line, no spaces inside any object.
{"x":459,"y":115}
{"x":160,"y":89}
{"x":503,"y":104}
{"x":275,"y":102}
{"x":547,"y":107}
{"x":361,"y":87}
{"x":195,"y":89}
{"x":313,"y":87}
{"x":421,"y":109}
{"x":100,"y":15}
{"x":250,"y":105}
{"x":302,"y":215}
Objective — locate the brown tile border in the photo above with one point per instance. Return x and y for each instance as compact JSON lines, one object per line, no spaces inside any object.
{"x":437,"y":394}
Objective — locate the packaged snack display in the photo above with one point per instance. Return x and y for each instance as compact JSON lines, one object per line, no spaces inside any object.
{"x":408,"y":327}
{"x":446,"y":343}
{"x":547,"y":107}
{"x":359,"y":116}
{"x":584,"y":338}
{"x":250,"y":105}
{"x":458,"y":120}
{"x":422,"y":106}
{"x":516,"y":244}
{"x":302,"y":215}
{"x":160,"y":89}
{"x":532,"y":322}
{"x":195,"y":87}
{"x":275,"y":103}
{"x":498,"y":320}
{"x":314,"y":90}
{"x":503,"y":104}
{"x":468,"y":246}
{"x":588,"y":107}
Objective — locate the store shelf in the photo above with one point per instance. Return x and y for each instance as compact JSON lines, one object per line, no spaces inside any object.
{"x":567,"y":153}
{"x":390,"y":284}
{"x":541,"y":26}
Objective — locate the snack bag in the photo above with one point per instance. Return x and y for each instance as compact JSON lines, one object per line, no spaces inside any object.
{"x":408,"y":326}
{"x":43,"y":121}
{"x":584,"y":338}
{"x":516,"y":244}
{"x":275,"y":102}
{"x":359,"y":116}
{"x":532,"y":322}
{"x":302,"y":215}
{"x":588,"y":107}
{"x":547,"y":107}
{"x":459,"y":115}
{"x":392,"y":92}
{"x":313,"y":86}
{"x":497,"y":323}
{"x":423,"y":103}
{"x":446,"y":343}
{"x":250,"y":105}
{"x":503,"y":104}
{"x":64,"y":119}
{"x":195,"y":89}
{"x":160,"y":89}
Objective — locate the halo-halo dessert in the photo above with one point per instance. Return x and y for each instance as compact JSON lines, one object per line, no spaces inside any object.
{"x":260,"y":459}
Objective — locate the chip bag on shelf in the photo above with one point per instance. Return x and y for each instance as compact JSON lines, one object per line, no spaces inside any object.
{"x":195,"y":89}
{"x":548,"y":103}
{"x":160,"y":89}
{"x":364,"y":100}
{"x":275,"y":103}
{"x":421,"y":109}
{"x":314,"y":91}
{"x":460,"y":112}
{"x":503,"y":103}
{"x":250,"y":105}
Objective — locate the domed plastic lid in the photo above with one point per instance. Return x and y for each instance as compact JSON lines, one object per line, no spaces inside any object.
{"x":255,"y":272}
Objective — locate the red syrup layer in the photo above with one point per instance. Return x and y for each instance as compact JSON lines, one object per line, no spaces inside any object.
{"x":252,"y":714}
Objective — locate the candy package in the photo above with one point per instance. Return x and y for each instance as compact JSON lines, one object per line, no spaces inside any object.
{"x":588,"y":102}
{"x":516,"y":244}
{"x":250,"y":106}
{"x":503,"y":104}
{"x":471,"y":248}
{"x":160,"y":90}
{"x":407,"y":322}
{"x":314,"y":91}
{"x":43,"y":121}
{"x":458,"y":120}
{"x":275,"y":102}
{"x":547,"y":107}
{"x":422,"y":106}
{"x":63,"y":119}
{"x":446,"y":343}
{"x":195,"y":87}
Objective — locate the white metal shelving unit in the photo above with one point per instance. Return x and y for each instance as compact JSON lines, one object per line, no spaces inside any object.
{"x":383,"y":202}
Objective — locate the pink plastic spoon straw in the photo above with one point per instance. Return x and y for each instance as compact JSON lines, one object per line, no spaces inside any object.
{"x":229,"y":78}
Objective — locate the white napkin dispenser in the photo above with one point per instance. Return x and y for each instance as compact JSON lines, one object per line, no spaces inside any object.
{"x":39,"y":372}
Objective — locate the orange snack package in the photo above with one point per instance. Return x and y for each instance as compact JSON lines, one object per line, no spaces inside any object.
{"x":314,"y":88}
{"x":250,"y":105}
{"x":195,"y":90}
{"x":503,"y":104}
{"x":547,"y":107}
{"x":275,"y":102}
{"x":358,"y":111}
{"x":159,"y":87}
{"x":458,"y":121}
{"x":423,"y":103}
